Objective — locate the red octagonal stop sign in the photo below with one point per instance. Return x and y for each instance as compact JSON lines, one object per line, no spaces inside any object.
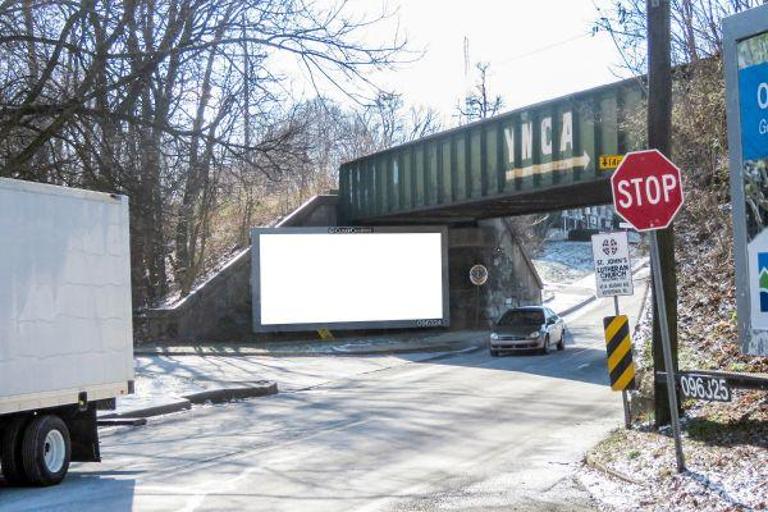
{"x":647,"y":190}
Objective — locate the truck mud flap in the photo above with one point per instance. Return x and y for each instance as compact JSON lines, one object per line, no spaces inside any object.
{"x":85,"y":435}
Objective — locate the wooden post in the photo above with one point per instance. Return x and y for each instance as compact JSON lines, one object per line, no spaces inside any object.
{"x":660,"y":137}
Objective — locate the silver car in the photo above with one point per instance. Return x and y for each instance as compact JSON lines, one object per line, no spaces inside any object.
{"x":527,"y":328}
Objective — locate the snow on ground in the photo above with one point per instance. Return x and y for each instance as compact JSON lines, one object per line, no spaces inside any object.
{"x":724,"y":444}
{"x":727,"y":469}
{"x":563,"y":262}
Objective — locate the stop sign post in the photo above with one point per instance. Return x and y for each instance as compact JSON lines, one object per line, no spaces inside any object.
{"x":648,"y":193}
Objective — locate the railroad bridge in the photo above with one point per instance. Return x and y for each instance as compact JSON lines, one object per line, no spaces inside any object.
{"x":538,"y":158}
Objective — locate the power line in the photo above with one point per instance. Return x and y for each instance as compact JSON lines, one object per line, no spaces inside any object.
{"x":543,"y":48}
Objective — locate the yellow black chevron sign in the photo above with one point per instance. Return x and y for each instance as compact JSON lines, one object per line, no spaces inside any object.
{"x":621,"y":368}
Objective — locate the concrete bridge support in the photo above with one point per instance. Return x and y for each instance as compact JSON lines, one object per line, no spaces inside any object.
{"x":512,"y":278}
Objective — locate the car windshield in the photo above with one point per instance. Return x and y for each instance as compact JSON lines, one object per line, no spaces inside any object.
{"x":523,"y":317}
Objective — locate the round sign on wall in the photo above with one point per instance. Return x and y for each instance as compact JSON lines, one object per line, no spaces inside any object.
{"x":478,"y":274}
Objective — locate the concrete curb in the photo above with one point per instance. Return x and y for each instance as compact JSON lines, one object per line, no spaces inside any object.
{"x":575,"y":307}
{"x":214,"y":396}
{"x":121,"y":422}
{"x":181,"y":404}
{"x":451,"y":347}
{"x":222,"y":395}
{"x":162,"y":352}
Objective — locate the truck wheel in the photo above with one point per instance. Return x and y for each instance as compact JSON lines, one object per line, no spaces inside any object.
{"x":10,"y":450}
{"x":46,"y":450}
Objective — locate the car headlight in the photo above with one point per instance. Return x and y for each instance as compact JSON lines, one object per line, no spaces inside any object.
{"x":494,"y":336}
{"x":534,"y":334}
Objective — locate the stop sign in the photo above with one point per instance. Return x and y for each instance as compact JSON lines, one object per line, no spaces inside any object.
{"x":647,"y":190}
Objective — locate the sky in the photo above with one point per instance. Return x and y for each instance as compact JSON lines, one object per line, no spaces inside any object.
{"x":537,"y":49}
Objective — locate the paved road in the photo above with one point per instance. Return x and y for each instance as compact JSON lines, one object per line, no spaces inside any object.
{"x":457,"y":432}
{"x":163,"y":379}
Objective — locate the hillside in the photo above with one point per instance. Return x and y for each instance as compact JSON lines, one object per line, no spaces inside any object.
{"x":707,"y":324}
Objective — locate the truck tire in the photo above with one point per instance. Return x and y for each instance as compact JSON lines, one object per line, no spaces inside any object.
{"x":10,"y":450}
{"x":46,"y":450}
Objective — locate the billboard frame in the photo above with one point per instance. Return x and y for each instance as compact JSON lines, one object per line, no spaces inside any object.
{"x":737,"y":28}
{"x":258,"y":328}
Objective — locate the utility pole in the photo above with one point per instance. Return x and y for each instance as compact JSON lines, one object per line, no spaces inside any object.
{"x":660,"y":137}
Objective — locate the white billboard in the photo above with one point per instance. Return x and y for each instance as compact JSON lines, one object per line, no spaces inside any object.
{"x":348,"y":278}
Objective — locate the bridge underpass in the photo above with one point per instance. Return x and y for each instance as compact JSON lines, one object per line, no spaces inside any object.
{"x":563,"y":197}
{"x":540,"y":158}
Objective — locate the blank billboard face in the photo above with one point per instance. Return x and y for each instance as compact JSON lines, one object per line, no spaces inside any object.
{"x":306,"y":279}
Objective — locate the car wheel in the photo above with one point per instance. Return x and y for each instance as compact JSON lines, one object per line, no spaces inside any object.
{"x":10,"y":451}
{"x":494,"y":353}
{"x":545,"y":348}
{"x":46,"y":450}
{"x":561,"y":343}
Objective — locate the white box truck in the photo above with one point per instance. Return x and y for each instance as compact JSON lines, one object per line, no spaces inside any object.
{"x":66,"y":341}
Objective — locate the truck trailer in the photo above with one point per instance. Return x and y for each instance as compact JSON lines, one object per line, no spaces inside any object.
{"x":66,"y":340}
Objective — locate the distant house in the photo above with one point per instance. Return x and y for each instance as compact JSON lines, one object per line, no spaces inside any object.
{"x":590,"y":217}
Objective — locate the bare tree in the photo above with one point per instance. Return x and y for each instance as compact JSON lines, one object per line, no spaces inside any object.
{"x":168,"y":101}
{"x":480,"y":103}
{"x":696,"y":28}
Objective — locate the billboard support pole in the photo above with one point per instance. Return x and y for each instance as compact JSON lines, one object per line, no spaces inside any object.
{"x":477,"y":307}
{"x":478,"y":276}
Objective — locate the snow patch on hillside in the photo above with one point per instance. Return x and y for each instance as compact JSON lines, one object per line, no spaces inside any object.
{"x":563,"y":262}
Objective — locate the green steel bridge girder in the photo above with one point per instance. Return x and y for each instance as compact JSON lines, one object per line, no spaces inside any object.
{"x":538,"y":158}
